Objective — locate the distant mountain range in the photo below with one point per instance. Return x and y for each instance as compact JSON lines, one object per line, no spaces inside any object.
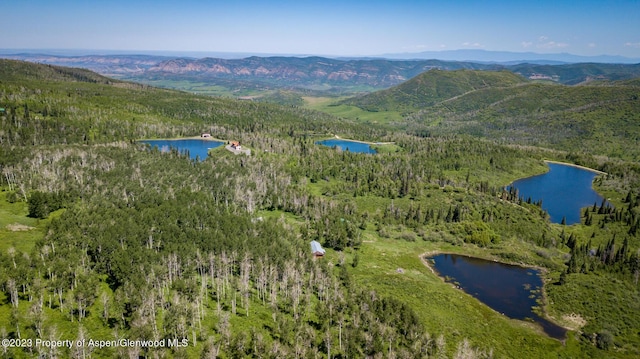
{"x":350,"y":75}
{"x":110,"y":65}
{"x":511,"y":58}
{"x":307,"y":71}
{"x":465,"y":55}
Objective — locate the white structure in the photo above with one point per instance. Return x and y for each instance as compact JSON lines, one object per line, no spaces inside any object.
{"x":317,"y":249}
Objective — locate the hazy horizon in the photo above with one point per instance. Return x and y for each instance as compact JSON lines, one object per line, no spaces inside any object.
{"x":350,"y":28}
{"x":477,"y":56}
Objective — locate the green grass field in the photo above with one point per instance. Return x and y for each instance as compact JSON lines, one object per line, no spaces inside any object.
{"x":18,"y":231}
{"x":203,"y":88}
{"x":327,"y":105}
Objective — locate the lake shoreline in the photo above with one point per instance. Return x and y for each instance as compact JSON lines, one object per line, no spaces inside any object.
{"x":576,"y":166}
{"x":543,"y":272}
{"x":197,"y":148}
{"x":565,"y":189}
{"x":212,"y":139}
{"x":557,"y":163}
{"x":365,"y":142}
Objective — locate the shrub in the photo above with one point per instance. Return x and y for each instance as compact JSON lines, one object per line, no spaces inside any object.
{"x":41,"y":204}
{"x":408,"y":236}
{"x":604,"y":340}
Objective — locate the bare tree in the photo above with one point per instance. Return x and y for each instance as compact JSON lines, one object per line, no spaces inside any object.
{"x":4,"y":335}
{"x":12,"y":254}
{"x":104,"y":299}
{"x":245,"y":270}
{"x":10,"y":176}
{"x":13,"y":292}
{"x":81,"y":351}
{"x":211,"y":349}
{"x":441,"y":350}
{"x":37,"y":314}
{"x":224,"y":327}
{"x":327,"y":341}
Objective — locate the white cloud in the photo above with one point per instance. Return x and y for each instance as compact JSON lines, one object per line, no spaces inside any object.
{"x":544,"y":42}
{"x":552,"y":45}
{"x":633,"y":44}
{"x":592,"y":45}
{"x":472,"y":44}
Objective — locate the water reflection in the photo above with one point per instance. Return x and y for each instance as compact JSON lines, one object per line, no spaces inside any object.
{"x":194,"y":147}
{"x":508,"y":289}
{"x":346,"y":145}
{"x":564,"y":190}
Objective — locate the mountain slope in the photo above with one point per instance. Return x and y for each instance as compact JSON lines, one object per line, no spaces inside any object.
{"x":51,"y":104}
{"x":303,"y":72}
{"x":111,"y":65}
{"x":433,"y":87}
{"x":596,"y":119}
{"x":317,"y":73}
{"x":573,"y":74}
{"x":15,"y":71}
{"x":603,"y":119}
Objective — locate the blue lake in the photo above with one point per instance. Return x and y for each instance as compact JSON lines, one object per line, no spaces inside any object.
{"x":195,"y":147}
{"x":346,"y":145}
{"x":508,"y":289}
{"x":564,"y":190}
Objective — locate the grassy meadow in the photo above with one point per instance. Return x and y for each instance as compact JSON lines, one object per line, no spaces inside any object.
{"x":17,"y":231}
{"x":331,"y":105}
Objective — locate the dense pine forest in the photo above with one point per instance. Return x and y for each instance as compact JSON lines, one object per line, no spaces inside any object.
{"x":105,"y":241}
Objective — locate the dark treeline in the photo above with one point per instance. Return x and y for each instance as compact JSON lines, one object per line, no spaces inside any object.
{"x":610,"y":255}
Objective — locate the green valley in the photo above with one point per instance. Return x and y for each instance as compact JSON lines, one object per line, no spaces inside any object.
{"x":105,"y":241}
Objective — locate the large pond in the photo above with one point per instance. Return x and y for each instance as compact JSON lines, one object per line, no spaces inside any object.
{"x":508,"y":289}
{"x":195,"y":147}
{"x":346,"y":145}
{"x":564,"y":190}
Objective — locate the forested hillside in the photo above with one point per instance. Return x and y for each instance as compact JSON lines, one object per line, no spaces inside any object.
{"x":433,"y":87}
{"x":574,"y":74}
{"x":598,"y":119}
{"x":104,"y":239}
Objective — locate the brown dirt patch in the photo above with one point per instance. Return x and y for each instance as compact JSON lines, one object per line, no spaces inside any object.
{"x":574,"y":321}
{"x":17,"y":227}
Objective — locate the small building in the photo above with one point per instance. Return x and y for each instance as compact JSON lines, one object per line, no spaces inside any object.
{"x":316,"y":249}
{"x":206,"y":135}
{"x":236,"y":145}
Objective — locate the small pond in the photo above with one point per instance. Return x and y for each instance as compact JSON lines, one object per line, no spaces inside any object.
{"x":508,"y":289}
{"x":346,"y":145}
{"x":564,"y":191}
{"x":195,"y":147}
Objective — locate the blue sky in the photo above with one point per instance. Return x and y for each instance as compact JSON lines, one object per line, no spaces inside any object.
{"x":327,"y":27}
